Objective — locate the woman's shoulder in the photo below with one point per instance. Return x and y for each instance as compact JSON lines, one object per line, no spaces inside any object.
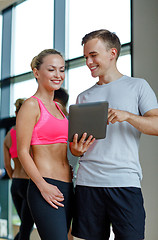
{"x":30,"y":103}
{"x":30,"y":106}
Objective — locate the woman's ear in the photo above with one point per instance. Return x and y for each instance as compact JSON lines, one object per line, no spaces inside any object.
{"x":35,"y":72}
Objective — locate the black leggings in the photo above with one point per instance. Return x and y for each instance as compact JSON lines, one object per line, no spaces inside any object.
{"x":19,"y":195}
{"x":52,"y":224}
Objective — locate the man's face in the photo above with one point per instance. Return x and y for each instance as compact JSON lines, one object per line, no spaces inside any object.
{"x":98,"y":57}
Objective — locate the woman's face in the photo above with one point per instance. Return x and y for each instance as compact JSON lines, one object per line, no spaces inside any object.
{"x":51,"y":73}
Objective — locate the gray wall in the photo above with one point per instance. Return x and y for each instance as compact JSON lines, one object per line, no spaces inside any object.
{"x":145,"y":37}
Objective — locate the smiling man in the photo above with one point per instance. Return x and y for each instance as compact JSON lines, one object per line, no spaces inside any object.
{"x":108,"y":190}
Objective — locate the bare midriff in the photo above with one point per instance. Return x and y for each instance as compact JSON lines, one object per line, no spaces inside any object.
{"x":51,"y":161}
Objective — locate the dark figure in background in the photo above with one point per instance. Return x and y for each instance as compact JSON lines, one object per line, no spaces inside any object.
{"x":61,"y":96}
{"x":20,"y":181}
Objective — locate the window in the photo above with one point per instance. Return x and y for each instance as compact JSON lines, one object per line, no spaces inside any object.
{"x":85,"y":16}
{"x":0,"y":41}
{"x":23,"y":89}
{"x":32,"y":32}
{"x":90,"y":15}
{"x":79,"y":80}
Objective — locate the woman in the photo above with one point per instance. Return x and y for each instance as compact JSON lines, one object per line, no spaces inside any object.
{"x":20,"y":181}
{"x":43,"y":125}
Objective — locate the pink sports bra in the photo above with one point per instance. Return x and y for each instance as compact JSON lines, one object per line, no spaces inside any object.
{"x":49,"y":129}
{"x":13,"y":148}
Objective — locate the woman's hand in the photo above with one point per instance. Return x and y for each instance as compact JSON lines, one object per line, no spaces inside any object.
{"x":52,"y":195}
{"x":79,"y":148}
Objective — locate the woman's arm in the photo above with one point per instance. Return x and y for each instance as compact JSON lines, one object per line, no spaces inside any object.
{"x":7,"y":157}
{"x":26,"y":120}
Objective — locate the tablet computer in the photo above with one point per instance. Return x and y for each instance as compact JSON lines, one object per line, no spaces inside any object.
{"x":88,"y":117}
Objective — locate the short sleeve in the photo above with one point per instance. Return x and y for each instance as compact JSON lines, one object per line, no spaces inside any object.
{"x":147,"y":99}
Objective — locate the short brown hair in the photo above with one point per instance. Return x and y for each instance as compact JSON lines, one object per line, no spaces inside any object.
{"x":110,"y":38}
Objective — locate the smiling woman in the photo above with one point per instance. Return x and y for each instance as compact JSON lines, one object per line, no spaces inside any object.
{"x":42,"y":124}
{"x":51,"y":71}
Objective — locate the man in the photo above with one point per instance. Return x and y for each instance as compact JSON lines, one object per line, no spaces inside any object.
{"x":108,"y":182}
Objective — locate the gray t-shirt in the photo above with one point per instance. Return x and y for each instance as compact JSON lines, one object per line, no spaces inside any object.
{"x":114,"y":161}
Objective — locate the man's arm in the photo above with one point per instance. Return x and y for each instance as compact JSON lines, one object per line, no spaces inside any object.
{"x":147,"y":124}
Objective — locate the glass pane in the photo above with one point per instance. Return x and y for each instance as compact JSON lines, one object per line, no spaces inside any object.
{"x":22,"y":90}
{"x":124,"y":64}
{"x":33,"y":32}
{"x":80,"y":78}
{"x":90,"y":15}
{"x":0,"y":41}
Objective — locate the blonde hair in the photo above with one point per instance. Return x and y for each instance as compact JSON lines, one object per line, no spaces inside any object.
{"x":38,"y":60}
{"x":19,"y":103}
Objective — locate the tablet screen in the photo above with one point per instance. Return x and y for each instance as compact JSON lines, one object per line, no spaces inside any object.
{"x":88,"y":117}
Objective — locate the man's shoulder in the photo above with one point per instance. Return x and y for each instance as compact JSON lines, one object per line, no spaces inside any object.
{"x":87,"y":91}
{"x":136,"y":81}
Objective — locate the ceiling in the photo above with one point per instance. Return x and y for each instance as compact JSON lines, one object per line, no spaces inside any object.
{"x":6,"y":3}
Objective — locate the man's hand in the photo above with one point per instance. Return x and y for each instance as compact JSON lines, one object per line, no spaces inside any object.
{"x":117,"y":116}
